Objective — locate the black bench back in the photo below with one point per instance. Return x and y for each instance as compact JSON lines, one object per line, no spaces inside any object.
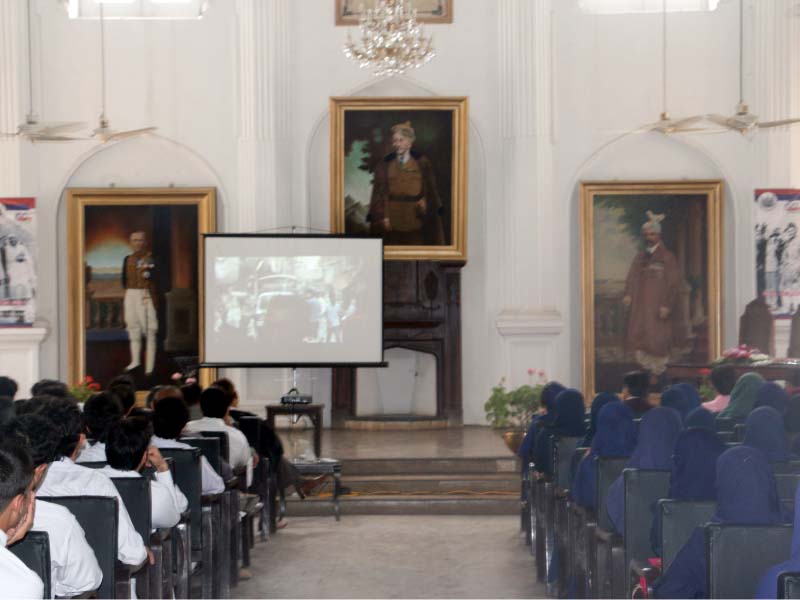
{"x":608,"y":469}
{"x":135,"y":494}
{"x":787,"y":485}
{"x":210,"y":447}
{"x":189,"y":478}
{"x":224,"y":443}
{"x":34,"y":551}
{"x":725,"y":424}
{"x":789,"y":585}
{"x":643,"y":488}
{"x":97,"y":515}
{"x":563,"y":449}
{"x":679,"y":518}
{"x":98,"y":464}
{"x":738,"y":555}
{"x":786,"y":468}
{"x":250,"y":426}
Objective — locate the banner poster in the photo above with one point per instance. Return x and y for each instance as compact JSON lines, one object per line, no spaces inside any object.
{"x":17,"y":261}
{"x":777,"y":220}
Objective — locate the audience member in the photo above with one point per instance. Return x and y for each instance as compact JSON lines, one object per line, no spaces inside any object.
{"x":700,"y":417}
{"x":8,"y":387}
{"x":674,"y":397}
{"x":771,"y":394}
{"x":693,"y":475}
{"x":50,"y":387}
{"x":170,"y":416}
{"x":746,"y":494}
{"x":100,"y":412}
{"x":743,"y":397}
{"x":615,"y":438}
{"x":7,"y":409}
{"x":151,"y":396}
{"x":191,"y":395}
{"x":600,"y":400}
{"x":66,"y":478}
{"x":73,"y":565}
{"x":692,"y":395}
{"x":723,"y":378}
{"x":129,"y":451}
{"x":658,"y":432}
{"x":165,"y":391}
{"x":568,"y":422}
{"x":764,"y":430}
{"x":215,"y":404}
{"x":768,"y":586}
{"x":16,"y":517}
{"x":549,"y":393}
{"x":635,"y":390}
{"x":126,"y":394}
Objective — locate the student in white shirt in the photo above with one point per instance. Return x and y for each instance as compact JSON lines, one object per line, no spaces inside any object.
{"x":169,"y":418}
{"x":215,"y":404}
{"x":100,"y":412}
{"x":128,"y":450}
{"x":73,"y":565}
{"x":65,"y":478}
{"x":16,"y":515}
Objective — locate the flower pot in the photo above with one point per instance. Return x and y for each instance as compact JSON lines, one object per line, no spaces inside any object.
{"x":513,"y":439}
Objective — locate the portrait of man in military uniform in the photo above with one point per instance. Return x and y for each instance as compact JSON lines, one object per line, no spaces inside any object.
{"x":139,"y":303}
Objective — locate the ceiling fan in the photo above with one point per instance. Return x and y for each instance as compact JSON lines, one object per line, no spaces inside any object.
{"x":743,"y":120}
{"x":32,"y":129}
{"x":103,"y":132}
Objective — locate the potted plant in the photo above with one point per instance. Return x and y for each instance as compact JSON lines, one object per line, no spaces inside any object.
{"x":512,"y":410}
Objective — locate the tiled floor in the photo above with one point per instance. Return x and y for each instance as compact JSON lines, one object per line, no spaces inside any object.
{"x":455,"y":442}
{"x":394,"y":557}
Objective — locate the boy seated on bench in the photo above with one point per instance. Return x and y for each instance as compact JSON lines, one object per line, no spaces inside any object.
{"x":128,"y":451}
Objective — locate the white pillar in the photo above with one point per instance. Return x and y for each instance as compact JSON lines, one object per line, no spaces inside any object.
{"x":12,"y":65}
{"x":529,"y":322}
{"x":263,"y":194}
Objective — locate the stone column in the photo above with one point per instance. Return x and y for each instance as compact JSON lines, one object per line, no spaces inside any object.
{"x":12,"y":79}
{"x":262,"y":200}
{"x":529,"y":321}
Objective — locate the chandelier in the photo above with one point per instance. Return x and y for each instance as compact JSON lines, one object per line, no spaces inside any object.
{"x":391,"y":39}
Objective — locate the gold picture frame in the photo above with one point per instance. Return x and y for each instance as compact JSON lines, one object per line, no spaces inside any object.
{"x":435,"y":12}
{"x":361,"y":147}
{"x":112,"y":215}
{"x":611,"y":217}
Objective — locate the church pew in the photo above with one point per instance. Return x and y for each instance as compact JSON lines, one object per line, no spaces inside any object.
{"x":562,"y":449}
{"x":607,"y":544}
{"x":789,"y":585}
{"x":251,"y":426}
{"x":34,"y":551}
{"x":734,"y":573}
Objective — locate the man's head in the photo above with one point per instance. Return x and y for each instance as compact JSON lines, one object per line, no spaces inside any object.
{"x":651,"y":232}
{"x":8,"y":387}
{"x":66,"y":416}
{"x":138,"y":241}
{"x":7,"y":410}
{"x":50,"y":387}
{"x":226,"y":385}
{"x":16,"y":483}
{"x":41,"y":438}
{"x":403,"y":137}
{"x":170,"y":416}
{"x":191,"y":393}
{"x":723,"y":378}
{"x":214,"y":402}
{"x":127,"y":443}
{"x":125,"y":394}
{"x":101,"y":411}
{"x":636,"y":384}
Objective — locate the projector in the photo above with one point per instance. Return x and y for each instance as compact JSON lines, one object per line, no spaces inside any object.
{"x":296,"y":399}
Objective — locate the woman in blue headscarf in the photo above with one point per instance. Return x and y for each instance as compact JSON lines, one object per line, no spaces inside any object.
{"x":768,"y":586}
{"x":675,"y":397}
{"x":746,"y":495}
{"x":694,"y":471}
{"x":568,"y":422}
{"x":615,"y":438}
{"x":598,"y":403}
{"x":771,"y":394}
{"x":764,"y":430}
{"x":701,"y":417}
{"x":692,"y":394}
{"x":549,"y":393}
{"x":658,"y":432}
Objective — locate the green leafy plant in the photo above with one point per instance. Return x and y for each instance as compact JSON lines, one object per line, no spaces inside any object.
{"x":514,"y":408}
{"x":85,"y":389}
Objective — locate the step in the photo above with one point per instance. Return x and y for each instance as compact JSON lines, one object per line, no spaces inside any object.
{"x":422,"y":466}
{"x":492,"y":482}
{"x":407,"y":505}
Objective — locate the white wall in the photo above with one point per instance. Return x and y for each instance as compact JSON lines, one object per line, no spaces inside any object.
{"x":182,"y":77}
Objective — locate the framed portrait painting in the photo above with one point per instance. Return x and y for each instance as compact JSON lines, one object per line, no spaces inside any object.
{"x":134,"y":270}
{"x":652,"y":278}
{"x":428,"y":11}
{"x":399,"y":170}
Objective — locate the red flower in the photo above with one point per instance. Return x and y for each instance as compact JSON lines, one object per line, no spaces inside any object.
{"x":531,"y":371}
{"x":95,"y":387}
{"x":88,"y":379}
{"x":704,"y":372}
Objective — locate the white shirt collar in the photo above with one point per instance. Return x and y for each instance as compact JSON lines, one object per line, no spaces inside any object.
{"x":3,"y":538}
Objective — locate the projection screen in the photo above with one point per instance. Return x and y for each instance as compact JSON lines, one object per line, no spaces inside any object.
{"x":292,"y":300}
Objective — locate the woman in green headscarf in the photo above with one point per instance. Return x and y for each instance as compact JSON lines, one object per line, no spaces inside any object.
{"x":743,"y":396}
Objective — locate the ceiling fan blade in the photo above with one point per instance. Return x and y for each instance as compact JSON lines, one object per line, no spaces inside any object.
{"x":121,"y":135}
{"x":779,"y":123}
{"x":726,"y":122}
{"x":682,"y":123}
{"x":62,"y":127}
{"x":55,"y":138}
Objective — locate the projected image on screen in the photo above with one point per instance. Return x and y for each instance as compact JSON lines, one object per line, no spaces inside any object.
{"x":293,"y":300}
{"x":312,"y":297}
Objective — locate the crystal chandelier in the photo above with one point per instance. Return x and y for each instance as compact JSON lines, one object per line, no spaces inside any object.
{"x":391,"y":39}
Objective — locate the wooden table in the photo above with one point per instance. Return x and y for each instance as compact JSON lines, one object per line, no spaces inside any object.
{"x":773,"y":371}
{"x":312,"y":411}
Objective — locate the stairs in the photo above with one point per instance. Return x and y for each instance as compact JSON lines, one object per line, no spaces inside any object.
{"x":415,"y":486}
